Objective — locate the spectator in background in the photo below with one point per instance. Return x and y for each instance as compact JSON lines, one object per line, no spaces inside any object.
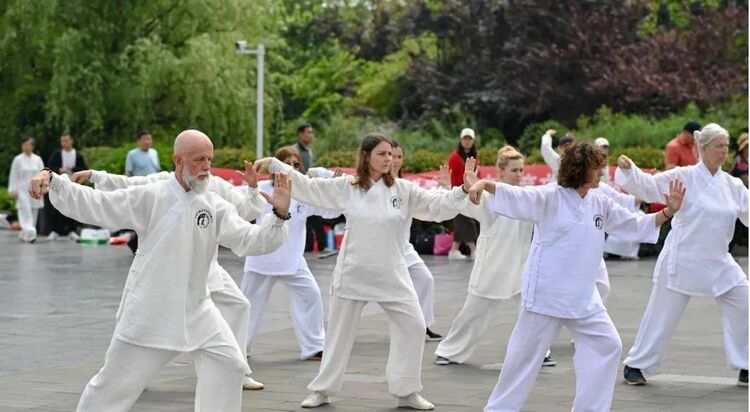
{"x":142,"y":160}
{"x":305,"y":137}
{"x":25,"y":166}
{"x":681,"y":150}
{"x":603,"y":144}
{"x":552,"y":156}
{"x":466,"y":229}
{"x":67,"y":160}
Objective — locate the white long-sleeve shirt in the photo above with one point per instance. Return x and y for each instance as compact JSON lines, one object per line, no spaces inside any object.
{"x":567,"y":245}
{"x":371,"y":265}
{"x":22,"y":169}
{"x":502,"y":248}
{"x":166,"y":302}
{"x":249,"y":206}
{"x":696,"y":249}
{"x":289,"y":258}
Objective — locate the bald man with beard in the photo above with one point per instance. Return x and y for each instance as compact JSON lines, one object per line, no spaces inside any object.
{"x":166,"y":308}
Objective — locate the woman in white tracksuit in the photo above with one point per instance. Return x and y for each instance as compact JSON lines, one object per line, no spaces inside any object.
{"x":287,"y":264}
{"x":559,"y":278}
{"x":25,"y":166}
{"x":421,"y":276}
{"x":694,"y":261}
{"x":371,"y":266}
{"x":501,"y":253}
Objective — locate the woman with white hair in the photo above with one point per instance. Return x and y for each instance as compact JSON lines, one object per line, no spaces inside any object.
{"x":694,"y":260}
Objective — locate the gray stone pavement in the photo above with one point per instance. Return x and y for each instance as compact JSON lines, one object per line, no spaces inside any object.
{"x":58,"y":300}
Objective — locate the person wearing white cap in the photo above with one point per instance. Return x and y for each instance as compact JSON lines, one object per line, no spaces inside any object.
{"x":466,"y":229}
{"x":558,"y":286}
{"x":603,"y":144}
{"x":694,"y":261}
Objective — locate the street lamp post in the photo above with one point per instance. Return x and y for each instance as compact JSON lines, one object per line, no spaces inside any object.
{"x":240,"y":47}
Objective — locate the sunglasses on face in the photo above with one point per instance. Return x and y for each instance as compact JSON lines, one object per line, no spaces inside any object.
{"x":294,"y":164}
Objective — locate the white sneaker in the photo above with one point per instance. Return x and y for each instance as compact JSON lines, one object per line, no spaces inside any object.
{"x":250,"y":384}
{"x":456,"y":255}
{"x":52,"y":236}
{"x":316,"y":399}
{"x":414,"y":401}
{"x":73,"y":236}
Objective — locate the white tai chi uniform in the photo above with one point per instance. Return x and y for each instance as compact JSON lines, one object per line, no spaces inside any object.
{"x":371,"y":268}
{"x":500,"y":257}
{"x":288,"y":265}
{"x":694,"y":260}
{"x":423,"y":280}
{"x":165,"y":307}
{"x":627,"y":202}
{"x":225,"y":293}
{"x":22,"y":169}
{"x":558,"y":290}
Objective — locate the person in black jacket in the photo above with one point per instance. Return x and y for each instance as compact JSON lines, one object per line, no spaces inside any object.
{"x":67,"y":160}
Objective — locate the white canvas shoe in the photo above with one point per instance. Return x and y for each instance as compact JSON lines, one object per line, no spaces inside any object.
{"x":316,"y":399}
{"x":250,"y":384}
{"x":456,"y":255}
{"x":414,"y":401}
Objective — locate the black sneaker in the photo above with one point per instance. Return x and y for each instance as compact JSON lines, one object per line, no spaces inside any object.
{"x":317,"y":357}
{"x":549,"y":361}
{"x":633,"y":376}
{"x":742,"y":379}
{"x":432,"y":336}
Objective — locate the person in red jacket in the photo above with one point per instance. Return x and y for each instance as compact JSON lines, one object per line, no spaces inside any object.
{"x":466,"y":230}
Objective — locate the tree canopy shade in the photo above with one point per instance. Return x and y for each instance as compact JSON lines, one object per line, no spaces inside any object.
{"x":103,"y":69}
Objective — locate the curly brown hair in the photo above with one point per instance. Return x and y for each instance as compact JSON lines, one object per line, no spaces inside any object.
{"x":577,"y":162}
{"x":363,"y":180}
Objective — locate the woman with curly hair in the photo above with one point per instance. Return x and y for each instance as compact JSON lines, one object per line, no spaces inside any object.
{"x":559,"y":278}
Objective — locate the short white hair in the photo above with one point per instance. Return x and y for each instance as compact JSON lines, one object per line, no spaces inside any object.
{"x":708,"y":134}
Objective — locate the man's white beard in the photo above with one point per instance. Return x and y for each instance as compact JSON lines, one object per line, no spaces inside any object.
{"x":196,"y":185}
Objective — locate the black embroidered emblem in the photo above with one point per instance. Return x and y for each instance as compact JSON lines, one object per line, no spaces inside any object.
{"x":396,"y":202}
{"x":599,"y":221}
{"x":203,"y":218}
{"x":300,"y":208}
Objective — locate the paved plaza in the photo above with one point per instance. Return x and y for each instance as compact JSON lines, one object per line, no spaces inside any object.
{"x":58,"y":301}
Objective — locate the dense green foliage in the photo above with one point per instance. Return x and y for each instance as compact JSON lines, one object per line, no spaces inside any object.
{"x":417,"y":70}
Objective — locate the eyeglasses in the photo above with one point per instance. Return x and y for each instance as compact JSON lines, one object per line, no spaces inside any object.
{"x":294,"y":164}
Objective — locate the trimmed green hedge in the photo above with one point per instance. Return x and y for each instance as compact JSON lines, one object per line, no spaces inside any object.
{"x":6,"y":200}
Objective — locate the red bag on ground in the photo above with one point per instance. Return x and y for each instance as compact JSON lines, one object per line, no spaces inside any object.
{"x":443,"y":243}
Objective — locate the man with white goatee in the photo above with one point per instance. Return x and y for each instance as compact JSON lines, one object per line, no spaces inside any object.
{"x":166,"y":308}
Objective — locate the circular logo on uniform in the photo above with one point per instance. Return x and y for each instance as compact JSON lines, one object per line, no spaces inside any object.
{"x":300,"y":208}
{"x":599,"y":221}
{"x":203,"y":218}
{"x":396,"y":202}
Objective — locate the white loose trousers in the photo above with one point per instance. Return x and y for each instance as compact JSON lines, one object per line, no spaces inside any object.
{"x":424,"y":285}
{"x":128,"y":368}
{"x":596,"y":359}
{"x":234,"y":308}
{"x":27,"y":217}
{"x":468,"y":327}
{"x":664,"y":310}
{"x":404,"y":368}
{"x":305,"y":306}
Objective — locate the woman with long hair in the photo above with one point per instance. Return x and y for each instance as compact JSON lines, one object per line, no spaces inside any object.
{"x":371,"y":265}
{"x":558,"y":287}
{"x":694,"y":261}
